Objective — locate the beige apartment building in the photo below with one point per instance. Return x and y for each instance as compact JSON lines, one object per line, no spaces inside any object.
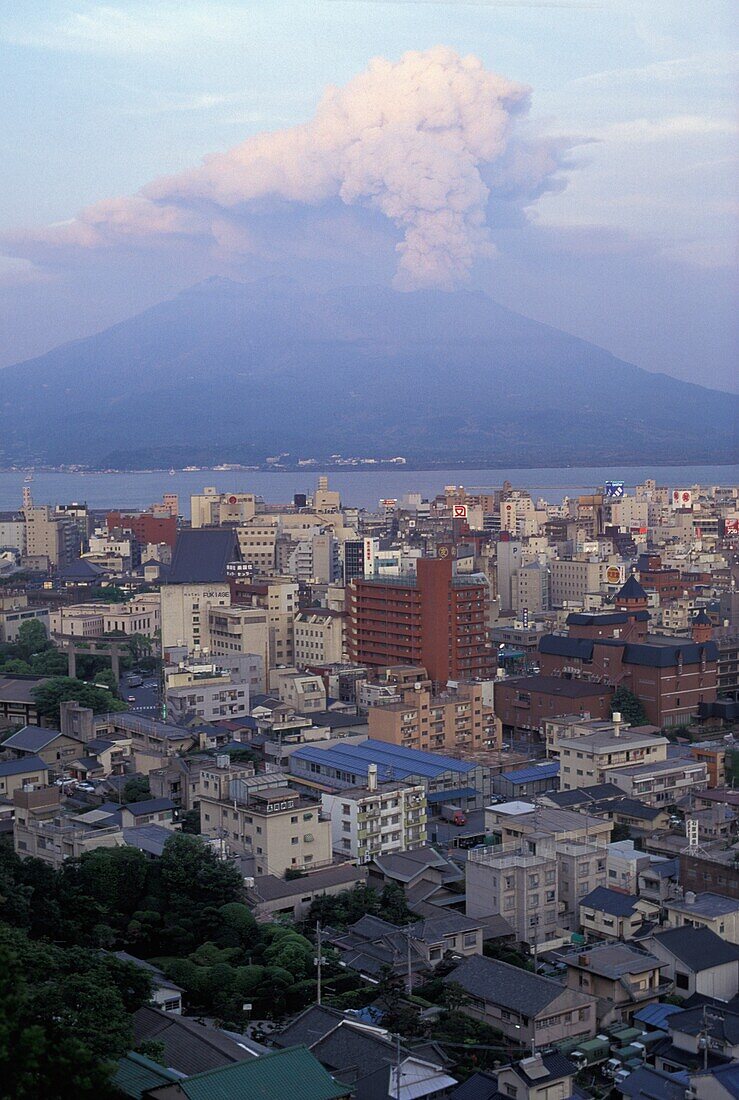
{"x":14,"y":612}
{"x":302,"y":691}
{"x":234,"y":631}
{"x":515,"y":824}
{"x":516,"y":885}
{"x":274,"y":826}
{"x":660,"y":783}
{"x":571,"y":725}
{"x":539,"y":894}
{"x":319,"y":637}
{"x":141,"y":615}
{"x":278,"y":597}
{"x":453,"y":720}
{"x":40,"y":829}
{"x":185,"y":613}
{"x":211,"y":508}
{"x":212,"y":696}
{"x":48,"y":535}
{"x":258,"y":543}
{"x":377,"y":819}
{"x":571,"y":579}
{"x":592,"y":758}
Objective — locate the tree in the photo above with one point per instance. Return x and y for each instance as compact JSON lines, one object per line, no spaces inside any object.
{"x":190,"y":821}
{"x":193,"y":883}
{"x":629,"y":707}
{"x":137,"y":789}
{"x":64,"y":1018}
{"x":58,"y":689}
{"x":51,"y":662}
{"x":139,"y":646}
{"x":16,"y":667}
{"x":32,"y":638}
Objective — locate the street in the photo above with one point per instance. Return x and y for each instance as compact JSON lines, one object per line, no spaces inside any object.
{"x":146,"y":697}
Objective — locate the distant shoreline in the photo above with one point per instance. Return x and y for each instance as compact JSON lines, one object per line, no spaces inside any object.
{"x":359,"y":468}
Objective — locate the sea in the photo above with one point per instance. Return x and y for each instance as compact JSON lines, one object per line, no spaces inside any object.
{"x":358,"y":488}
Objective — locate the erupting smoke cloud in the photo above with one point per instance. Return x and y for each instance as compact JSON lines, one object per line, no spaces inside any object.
{"x":423,"y":140}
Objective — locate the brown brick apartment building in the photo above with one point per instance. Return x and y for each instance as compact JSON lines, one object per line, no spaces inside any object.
{"x":524,"y":703}
{"x":671,"y":677}
{"x":434,"y":618}
{"x":145,"y":527}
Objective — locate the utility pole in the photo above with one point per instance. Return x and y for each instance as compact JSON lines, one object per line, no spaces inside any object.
{"x":408,"y":945}
{"x":319,"y":959}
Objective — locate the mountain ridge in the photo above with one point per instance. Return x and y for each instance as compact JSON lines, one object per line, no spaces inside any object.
{"x":236,"y":372}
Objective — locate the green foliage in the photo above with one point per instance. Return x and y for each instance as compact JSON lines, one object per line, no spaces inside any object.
{"x":620,"y":832}
{"x":59,"y":689}
{"x":51,"y":662}
{"x":345,"y":908}
{"x":630,"y":708}
{"x":108,"y":594}
{"x":64,"y":1018}
{"x":190,"y":821}
{"x":137,"y":789}
{"x":32,"y":638}
{"x":16,"y":667}
{"x":184,"y":911}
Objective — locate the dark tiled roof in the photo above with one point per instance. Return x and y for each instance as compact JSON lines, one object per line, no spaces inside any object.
{"x":556,"y":1065}
{"x":632,"y":590}
{"x":646,"y":1081}
{"x":557,"y":685}
{"x":20,"y":767}
{"x":271,"y":888}
{"x":188,"y":1047}
{"x":719,"y":1023}
{"x":81,"y":570}
{"x":698,"y":948}
{"x":701,"y":619}
{"x":18,"y":689}
{"x":31,"y":739}
{"x":148,"y":806}
{"x":610,"y":901}
{"x":480,"y":1086}
{"x":632,"y":807}
{"x":202,"y":554}
{"x":610,"y":618}
{"x":505,"y":985}
{"x":310,"y":1026}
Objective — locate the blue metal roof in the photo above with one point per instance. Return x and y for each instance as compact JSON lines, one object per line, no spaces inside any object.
{"x":392,"y":760}
{"x":449,"y":796}
{"x":530,"y":775}
{"x":656,"y":1015}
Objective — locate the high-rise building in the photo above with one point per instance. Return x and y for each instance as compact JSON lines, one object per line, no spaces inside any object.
{"x":433,"y":618}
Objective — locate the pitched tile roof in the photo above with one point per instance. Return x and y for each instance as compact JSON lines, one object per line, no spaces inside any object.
{"x":20,"y":767}
{"x":610,"y":901}
{"x":201,"y":555}
{"x":136,"y":1074}
{"x":699,"y":948}
{"x":505,"y":985}
{"x":31,"y":739}
{"x":188,"y":1046}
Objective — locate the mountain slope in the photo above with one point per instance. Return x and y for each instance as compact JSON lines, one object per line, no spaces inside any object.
{"x":236,"y":372}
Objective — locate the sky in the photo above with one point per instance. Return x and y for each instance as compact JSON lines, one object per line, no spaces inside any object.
{"x":574,"y":160}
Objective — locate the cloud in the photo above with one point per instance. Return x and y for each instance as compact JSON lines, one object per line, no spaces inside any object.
{"x":426,"y":142}
{"x":133,"y":29}
{"x":661,"y":129}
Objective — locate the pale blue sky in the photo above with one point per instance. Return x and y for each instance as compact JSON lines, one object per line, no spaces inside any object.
{"x":99,"y":99}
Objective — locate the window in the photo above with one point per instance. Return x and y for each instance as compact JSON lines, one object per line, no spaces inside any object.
{"x":681,"y":980}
